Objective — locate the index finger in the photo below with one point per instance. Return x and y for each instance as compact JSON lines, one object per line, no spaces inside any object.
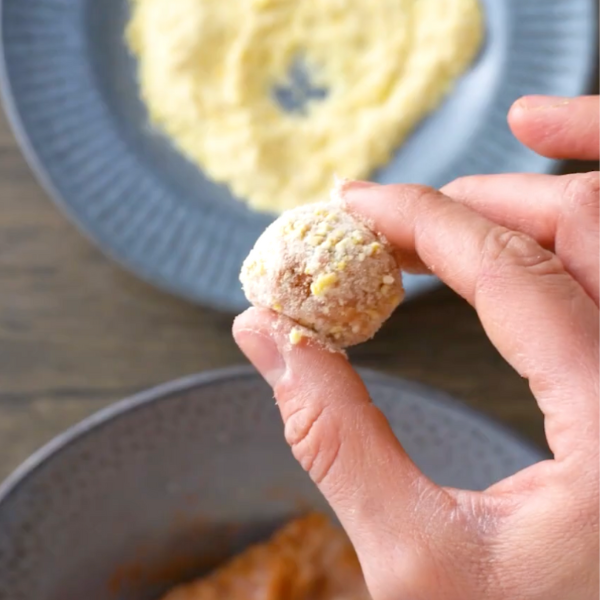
{"x":558,"y":127}
{"x":534,"y":312}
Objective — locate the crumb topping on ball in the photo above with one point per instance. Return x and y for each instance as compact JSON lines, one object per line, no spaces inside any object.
{"x":327,"y":271}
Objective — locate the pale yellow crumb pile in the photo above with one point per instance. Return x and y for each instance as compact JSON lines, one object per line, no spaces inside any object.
{"x":208,"y":68}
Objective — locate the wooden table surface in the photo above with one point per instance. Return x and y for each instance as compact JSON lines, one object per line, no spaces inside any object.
{"x":77,"y":333}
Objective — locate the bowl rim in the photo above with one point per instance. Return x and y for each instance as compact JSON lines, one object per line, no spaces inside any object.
{"x":165,"y":391}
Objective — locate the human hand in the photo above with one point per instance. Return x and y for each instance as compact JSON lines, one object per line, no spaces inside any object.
{"x":523,"y":250}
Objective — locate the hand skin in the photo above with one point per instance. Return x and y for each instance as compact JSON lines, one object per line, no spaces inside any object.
{"x":523,"y":250}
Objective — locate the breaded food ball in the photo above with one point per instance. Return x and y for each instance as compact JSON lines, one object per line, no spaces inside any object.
{"x":327,"y":271}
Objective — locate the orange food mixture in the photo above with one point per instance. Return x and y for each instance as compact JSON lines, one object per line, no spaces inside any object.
{"x":307,"y":559}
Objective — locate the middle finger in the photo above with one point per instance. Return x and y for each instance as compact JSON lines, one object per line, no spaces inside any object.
{"x":561,"y":213}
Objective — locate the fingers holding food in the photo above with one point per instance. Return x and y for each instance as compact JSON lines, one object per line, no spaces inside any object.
{"x":327,"y":271}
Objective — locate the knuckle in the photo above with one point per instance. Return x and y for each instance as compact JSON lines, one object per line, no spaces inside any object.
{"x":423,"y":190}
{"x":416,"y":192}
{"x":460,"y":186}
{"x":417,"y":188}
{"x":582,"y":190}
{"x":314,"y":443}
{"x":503,"y":247}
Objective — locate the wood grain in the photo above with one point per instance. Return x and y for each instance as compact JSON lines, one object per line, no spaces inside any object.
{"x":77,"y":333}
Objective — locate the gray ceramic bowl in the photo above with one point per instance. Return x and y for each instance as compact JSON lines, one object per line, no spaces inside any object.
{"x":70,"y":91}
{"x":162,"y":486}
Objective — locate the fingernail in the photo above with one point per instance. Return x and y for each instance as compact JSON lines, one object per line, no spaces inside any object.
{"x":356,"y":184}
{"x":543,"y":102}
{"x":263,"y":353}
{"x":342,"y":186}
{"x":356,"y":190}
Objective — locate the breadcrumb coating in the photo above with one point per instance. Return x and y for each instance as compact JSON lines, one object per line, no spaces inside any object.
{"x":327,"y":271}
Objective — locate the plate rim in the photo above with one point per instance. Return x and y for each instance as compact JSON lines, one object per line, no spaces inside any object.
{"x":41,"y":174}
{"x":164,"y":392}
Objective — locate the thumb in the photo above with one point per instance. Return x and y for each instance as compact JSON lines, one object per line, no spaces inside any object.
{"x":393,"y":514}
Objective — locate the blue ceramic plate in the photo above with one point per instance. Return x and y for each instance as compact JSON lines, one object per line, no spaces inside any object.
{"x":70,"y":91}
{"x":146,"y":492}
